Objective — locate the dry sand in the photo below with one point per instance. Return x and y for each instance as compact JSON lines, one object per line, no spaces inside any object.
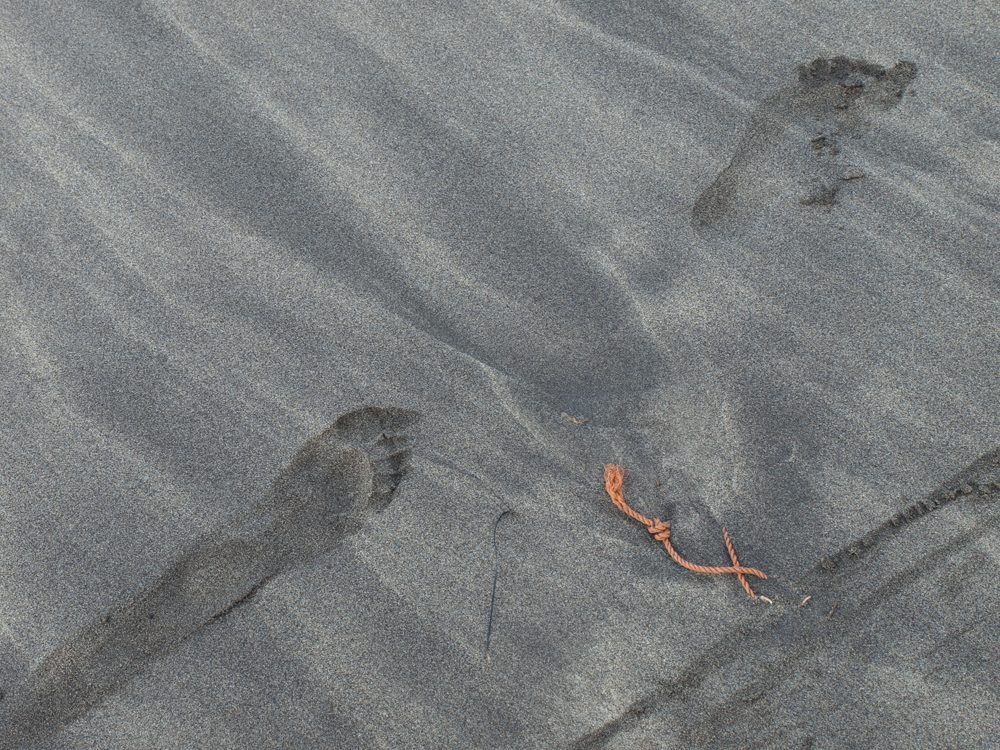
{"x":749,"y":251}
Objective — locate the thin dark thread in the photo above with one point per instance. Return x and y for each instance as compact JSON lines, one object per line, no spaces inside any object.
{"x":248,"y":596}
{"x":496,"y":575}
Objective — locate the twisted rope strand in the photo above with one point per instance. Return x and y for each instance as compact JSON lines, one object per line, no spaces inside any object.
{"x":736,"y":563}
{"x":614,"y":479}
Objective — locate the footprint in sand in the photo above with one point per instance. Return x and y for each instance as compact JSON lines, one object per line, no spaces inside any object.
{"x":334,"y":482}
{"x":792,"y":152}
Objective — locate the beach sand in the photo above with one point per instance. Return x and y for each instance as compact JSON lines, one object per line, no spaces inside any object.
{"x":322,"y":320}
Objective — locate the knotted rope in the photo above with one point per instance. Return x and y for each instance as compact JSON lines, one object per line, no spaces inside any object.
{"x":614,"y":478}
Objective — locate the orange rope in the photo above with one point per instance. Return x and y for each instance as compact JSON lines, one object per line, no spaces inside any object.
{"x":614,"y":479}
{"x":736,"y":563}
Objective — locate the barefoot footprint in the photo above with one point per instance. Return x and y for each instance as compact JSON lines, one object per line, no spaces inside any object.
{"x":334,"y":482}
{"x":792,"y":150}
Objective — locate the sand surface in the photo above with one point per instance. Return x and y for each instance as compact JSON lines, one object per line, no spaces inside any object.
{"x":320,"y":321}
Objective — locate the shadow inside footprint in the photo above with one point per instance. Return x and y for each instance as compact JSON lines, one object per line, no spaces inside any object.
{"x":332,"y":484}
{"x":792,"y":150}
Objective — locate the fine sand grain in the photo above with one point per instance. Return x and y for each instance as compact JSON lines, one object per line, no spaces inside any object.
{"x":321,"y":320}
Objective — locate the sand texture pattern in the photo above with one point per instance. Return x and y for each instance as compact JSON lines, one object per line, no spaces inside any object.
{"x":320,"y":322}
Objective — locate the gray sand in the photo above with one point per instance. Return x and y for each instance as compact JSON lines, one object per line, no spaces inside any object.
{"x":750,"y":252}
